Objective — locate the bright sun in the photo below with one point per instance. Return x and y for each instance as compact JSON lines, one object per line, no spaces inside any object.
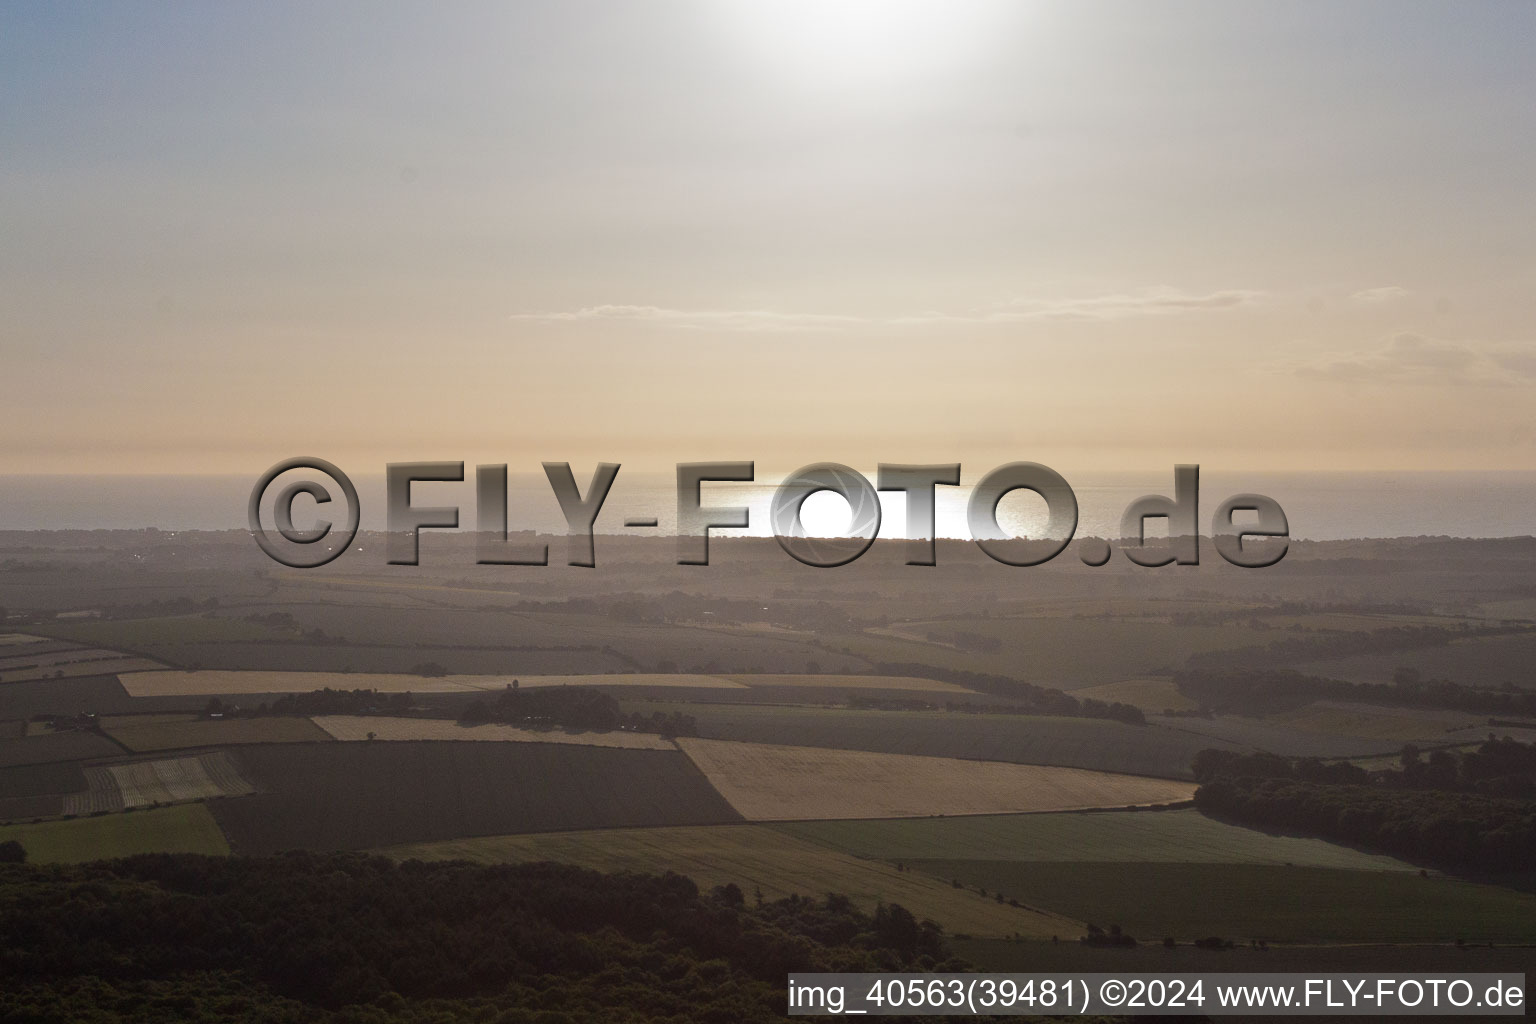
{"x":864,"y":42}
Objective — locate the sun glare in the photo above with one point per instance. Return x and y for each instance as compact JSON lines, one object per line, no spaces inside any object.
{"x":864,"y":42}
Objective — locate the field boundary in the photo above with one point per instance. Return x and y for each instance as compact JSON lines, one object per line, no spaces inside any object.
{"x":774,"y":782}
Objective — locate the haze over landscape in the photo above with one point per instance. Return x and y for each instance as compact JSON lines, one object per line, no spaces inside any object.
{"x":1291,"y":245}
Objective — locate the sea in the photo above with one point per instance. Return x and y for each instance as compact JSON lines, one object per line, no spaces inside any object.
{"x":1318,"y":505}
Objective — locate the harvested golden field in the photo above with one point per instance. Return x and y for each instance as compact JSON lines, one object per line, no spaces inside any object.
{"x":691,"y":680}
{"x":755,"y":857}
{"x":842,"y":682}
{"x":15,"y":639}
{"x":361,"y":727}
{"x":142,"y":733}
{"x":113,"y":787}
{"x":220,"y":682}
{"x":768,"y":782}
{"x":1153,"y":696}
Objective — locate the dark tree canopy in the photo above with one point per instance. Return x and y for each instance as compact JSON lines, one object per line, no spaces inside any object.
{"x":303,"y":937}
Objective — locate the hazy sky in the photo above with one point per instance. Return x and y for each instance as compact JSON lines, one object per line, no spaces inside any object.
{"x":1099,"y":236}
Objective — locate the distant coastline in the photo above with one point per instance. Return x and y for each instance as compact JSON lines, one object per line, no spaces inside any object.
{"x":1321,"y":506}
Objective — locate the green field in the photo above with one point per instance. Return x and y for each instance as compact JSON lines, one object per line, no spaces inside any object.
{"x":166,"y":631}
{"x":65,"y":662}
{"x":1023,"y":739}
{"x":1398,"y":725}
{"x":185,"y":828}
{"x":1482,"y":661}
{"x":1182,"y":836}
{"x":755,"y":858}
{"x":460,"y":628}
{"x":1152,"y":695}
{"x":1062,"y":652}
{"x":359,"y":796}
{"x":1364,"y":958}
{"x":142,"y":733}
{"x":1275,"y":736}
{"x":48,"y":747}
{"x":1180,"y":873}
{"x":1257,"y":901}
{"x":289,"y":655}
{"x":96,"y":694}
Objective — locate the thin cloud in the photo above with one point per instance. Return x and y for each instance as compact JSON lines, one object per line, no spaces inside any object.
{"x":1414,"y":359}
{"x":1377,"y":296}
{"x":730,"y":320}
{"x":1146,"y":302}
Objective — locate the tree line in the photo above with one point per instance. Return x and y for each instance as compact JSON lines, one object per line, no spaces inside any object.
{"x":1472,"y":812}
{"x":1262,"y":691}
{"x":572,"y":707}
{"x":317,"y":702}
{"x":1345,"y":644}
{"x":333,"y":937}
{"x":1032,"y":699}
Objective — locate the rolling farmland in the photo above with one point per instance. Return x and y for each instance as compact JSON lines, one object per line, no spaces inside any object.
{"x":1178,"y":836}
{"x":69,"y":665}
{"x":1150,"y":695}
{"x":754,"y":858}
{"x":97,"y":694}
{"x":1022,"y":739}
{"x":1065,"y":652}
{"x":68,"y":745}
{"x":34,"y":648}
{"x":218,"y":682}
{"x":353,"y":796}
{"x":1276,"y":736}
{"x":1483,"y":661}
{"x":186,"y":828}
{"x":770,"y":782}
{"x":1398,"y":725}
{"x":772,"y":736}
{"x":38,"y":791}
{"x":452,"y":625}
{"x":1257,"y":901}
{"x":849,"y":682}
{"x":365,"y":727}
{"x":1361,"y":957}
{"x":168,"y":631}
{"x":114,"y":787}
{"x":145,"y":733}
{"x":286,"y":653}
